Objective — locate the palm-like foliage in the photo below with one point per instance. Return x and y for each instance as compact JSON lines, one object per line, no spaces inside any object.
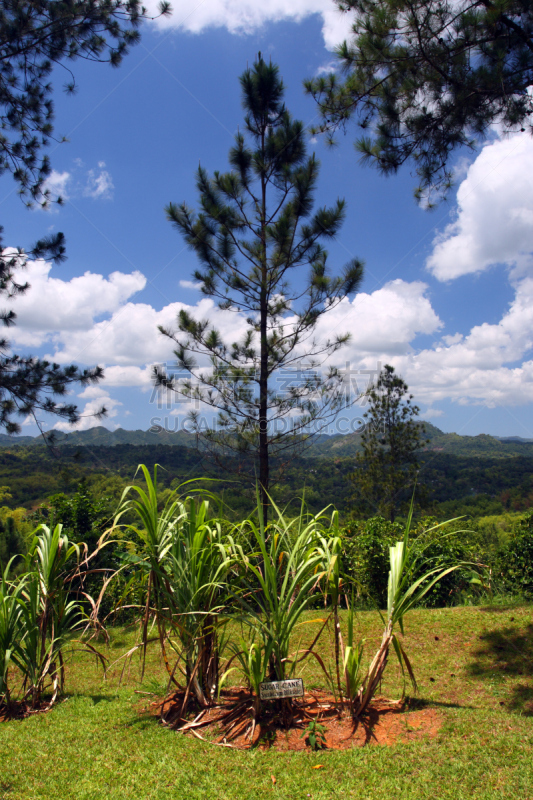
{"x":352,"y":661}
{"x":254,"y":660}
{"x":194,"y":579}
{"x":183,"y":563}
{"x":197,"y":567}
{"x":330,"y":548}
{"x":39,"y":612}
{"x":403,"y":594}
{"x":51,"y":614}
{"x":11,"y":630}
{"x":278,"y":581}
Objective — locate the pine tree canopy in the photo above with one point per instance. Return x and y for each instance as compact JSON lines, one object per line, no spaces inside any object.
{"x":254,"y":231}
{"x":29,"y":385}
{"x":35,"y":36}
{"x":425,"y":77}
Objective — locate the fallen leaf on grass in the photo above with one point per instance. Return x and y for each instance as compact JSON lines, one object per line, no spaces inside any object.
{"x":318,"y":766}
{"x":273,"y":779}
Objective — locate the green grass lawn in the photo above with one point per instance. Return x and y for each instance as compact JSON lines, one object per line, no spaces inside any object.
{"x":475,"y":665}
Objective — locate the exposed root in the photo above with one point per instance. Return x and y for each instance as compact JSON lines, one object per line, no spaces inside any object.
{"x":234,"y":723}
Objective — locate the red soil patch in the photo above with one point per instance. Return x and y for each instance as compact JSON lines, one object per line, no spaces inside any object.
{"x":385,"y":723}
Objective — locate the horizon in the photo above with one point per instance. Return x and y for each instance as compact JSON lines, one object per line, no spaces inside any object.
{"x":184,"y":430}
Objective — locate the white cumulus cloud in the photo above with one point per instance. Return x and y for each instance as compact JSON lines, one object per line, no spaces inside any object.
{"x":190,"y":285}
{"x":95,"y":183}
{"x":57,"y":184}
{"x":490,"y":365}
{"x":53,"y":307}
{"x":493,"y":225}
{"x":247,"y":16}
{"x":385,"y":321}
{"x":128,"y":376}
{"x":494,"y":217}
{"x":131,"y":336}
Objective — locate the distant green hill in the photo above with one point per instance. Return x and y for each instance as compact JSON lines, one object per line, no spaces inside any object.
{"x":102,"y":437}
{"x":336,"y":446}
{"x":439,"y":442}
{"x":481,"y":445}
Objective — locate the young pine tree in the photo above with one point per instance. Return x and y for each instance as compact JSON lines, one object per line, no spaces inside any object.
{"x":387,"y":467}
{"x":254,"y":232}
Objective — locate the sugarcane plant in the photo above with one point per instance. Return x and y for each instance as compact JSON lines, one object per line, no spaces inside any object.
{"x":51,"y":611}
{"x":330,"y":549}
{"x":352,"y":662}
{"x":40,"y":612}
{"x":11,"y":630}
{"x":405,"y":591}
{"x":182,"y":561}
{"x":279,"y":576}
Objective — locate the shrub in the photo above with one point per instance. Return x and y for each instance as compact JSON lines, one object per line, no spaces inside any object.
{"x":11,"y":541}
{"x":38,"y":617}
{"x":367,"y":560}
{"x":442,"y":548}
{"x":366,"y":556}
{"x":519,"y":557}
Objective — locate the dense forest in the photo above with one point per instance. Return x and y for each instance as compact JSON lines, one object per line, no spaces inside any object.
{"x":453,"y":484}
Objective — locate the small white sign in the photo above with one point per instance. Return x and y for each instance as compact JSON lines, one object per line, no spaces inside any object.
{"x":277,"y":690}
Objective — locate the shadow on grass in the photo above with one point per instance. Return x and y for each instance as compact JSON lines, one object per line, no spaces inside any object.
{"x":508,"y":651}
{"x":118,"y":644}
{"x":143,"y":720}
{"x":103,"y":698}
{"x":416,"y":703}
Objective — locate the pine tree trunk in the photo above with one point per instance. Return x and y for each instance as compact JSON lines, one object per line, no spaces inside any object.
{"x":263,"y":375}
{"x":263,"y":419}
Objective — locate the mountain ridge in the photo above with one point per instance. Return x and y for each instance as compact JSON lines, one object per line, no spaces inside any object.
{"x":324,"y":445}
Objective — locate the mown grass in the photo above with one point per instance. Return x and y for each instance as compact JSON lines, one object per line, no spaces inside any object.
{"x":473,"y":664}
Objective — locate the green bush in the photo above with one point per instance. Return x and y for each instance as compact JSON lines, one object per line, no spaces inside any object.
{"x":84,"y":518}
{"x":519,"y":557}
{"x":11,"y":541}
{"x":441,"y":549}
{"x":366,"y":557}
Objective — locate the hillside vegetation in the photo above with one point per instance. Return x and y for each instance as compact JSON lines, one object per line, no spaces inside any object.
{"x":337,"y":445}
{"x":455,"y":484}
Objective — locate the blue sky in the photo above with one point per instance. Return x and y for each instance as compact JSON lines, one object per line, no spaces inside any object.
{"x":447,"y":296}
